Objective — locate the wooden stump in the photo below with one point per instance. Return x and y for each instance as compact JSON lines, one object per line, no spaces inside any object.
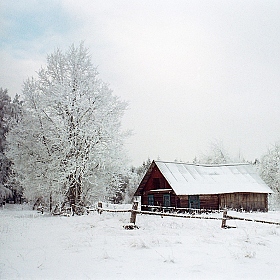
{"x":133,"y":212}
{"x":224,"y":220}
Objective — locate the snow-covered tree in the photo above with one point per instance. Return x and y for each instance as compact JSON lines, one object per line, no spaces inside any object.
{"x":134,"y":180}
{"x":217,"y":154}
{"x":5,"y":113}
{"x":9,"y":114}
{"x":69,"y":143}
{"x":135,"y":175}
{"x":269,"y":168}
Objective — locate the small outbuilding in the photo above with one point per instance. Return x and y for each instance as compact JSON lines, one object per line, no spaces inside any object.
{"x":201,"y":186}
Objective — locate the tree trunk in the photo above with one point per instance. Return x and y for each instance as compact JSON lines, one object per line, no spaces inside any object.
{"x":51,"y":202}
{"x":74,"y":194}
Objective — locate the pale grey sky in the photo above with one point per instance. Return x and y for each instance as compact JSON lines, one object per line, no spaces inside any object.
{"x":193,"y":72}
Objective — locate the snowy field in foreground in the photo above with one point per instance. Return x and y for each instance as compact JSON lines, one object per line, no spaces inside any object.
{"x":35,"y":246}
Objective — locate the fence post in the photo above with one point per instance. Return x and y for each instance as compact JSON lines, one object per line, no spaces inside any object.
{"x":133,"y":212}
{"x":224,"y":220}
{"x":99,"y":207}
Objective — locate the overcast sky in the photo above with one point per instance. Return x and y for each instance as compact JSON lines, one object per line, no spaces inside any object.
{"x":193,"y":72}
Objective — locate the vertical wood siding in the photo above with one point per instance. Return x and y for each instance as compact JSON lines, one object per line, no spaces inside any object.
{"x":246,"y":201}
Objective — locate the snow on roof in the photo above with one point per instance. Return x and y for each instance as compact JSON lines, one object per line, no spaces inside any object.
{"x":191,"y":179}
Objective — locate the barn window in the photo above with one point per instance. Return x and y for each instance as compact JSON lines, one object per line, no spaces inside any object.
{"x":150,"y":199}
{"x":166,"y":200}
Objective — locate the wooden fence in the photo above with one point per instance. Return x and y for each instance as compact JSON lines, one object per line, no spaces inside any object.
{"x":134,"y":213}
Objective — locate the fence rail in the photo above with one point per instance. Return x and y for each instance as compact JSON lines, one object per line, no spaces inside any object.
{"x":252,"y":220}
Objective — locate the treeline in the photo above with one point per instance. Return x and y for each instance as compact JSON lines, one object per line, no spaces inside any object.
{"x":63,"y":142}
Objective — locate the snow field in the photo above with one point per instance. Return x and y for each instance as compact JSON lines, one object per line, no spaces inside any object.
{"x":35,"y":246}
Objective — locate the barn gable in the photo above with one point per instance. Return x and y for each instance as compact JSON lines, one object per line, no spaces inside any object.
{"x":208,"y":186}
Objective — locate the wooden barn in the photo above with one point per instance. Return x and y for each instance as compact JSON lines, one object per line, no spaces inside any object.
{"x":181,"y":185}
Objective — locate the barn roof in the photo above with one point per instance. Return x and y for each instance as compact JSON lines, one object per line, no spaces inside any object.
{"x":188,"y":179}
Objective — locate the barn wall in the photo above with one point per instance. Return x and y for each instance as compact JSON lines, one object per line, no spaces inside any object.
{"x":209,"y":201}
{"x":246,"y":201}
{"x":206,"y":201}
{"x":158,"y":198}
{"x":184,"y":201}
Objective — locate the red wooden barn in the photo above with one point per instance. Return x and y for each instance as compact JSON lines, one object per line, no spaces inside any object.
{"x":181,"y":185}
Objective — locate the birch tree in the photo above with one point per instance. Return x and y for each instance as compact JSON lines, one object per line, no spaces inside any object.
{"x":69,"y":141}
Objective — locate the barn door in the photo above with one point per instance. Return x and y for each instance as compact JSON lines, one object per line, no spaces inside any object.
{"x":194,"y":201}
{"x":166,"y":200}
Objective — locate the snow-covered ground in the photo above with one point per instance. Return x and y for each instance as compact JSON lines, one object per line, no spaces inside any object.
{"x":36,"y":246}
